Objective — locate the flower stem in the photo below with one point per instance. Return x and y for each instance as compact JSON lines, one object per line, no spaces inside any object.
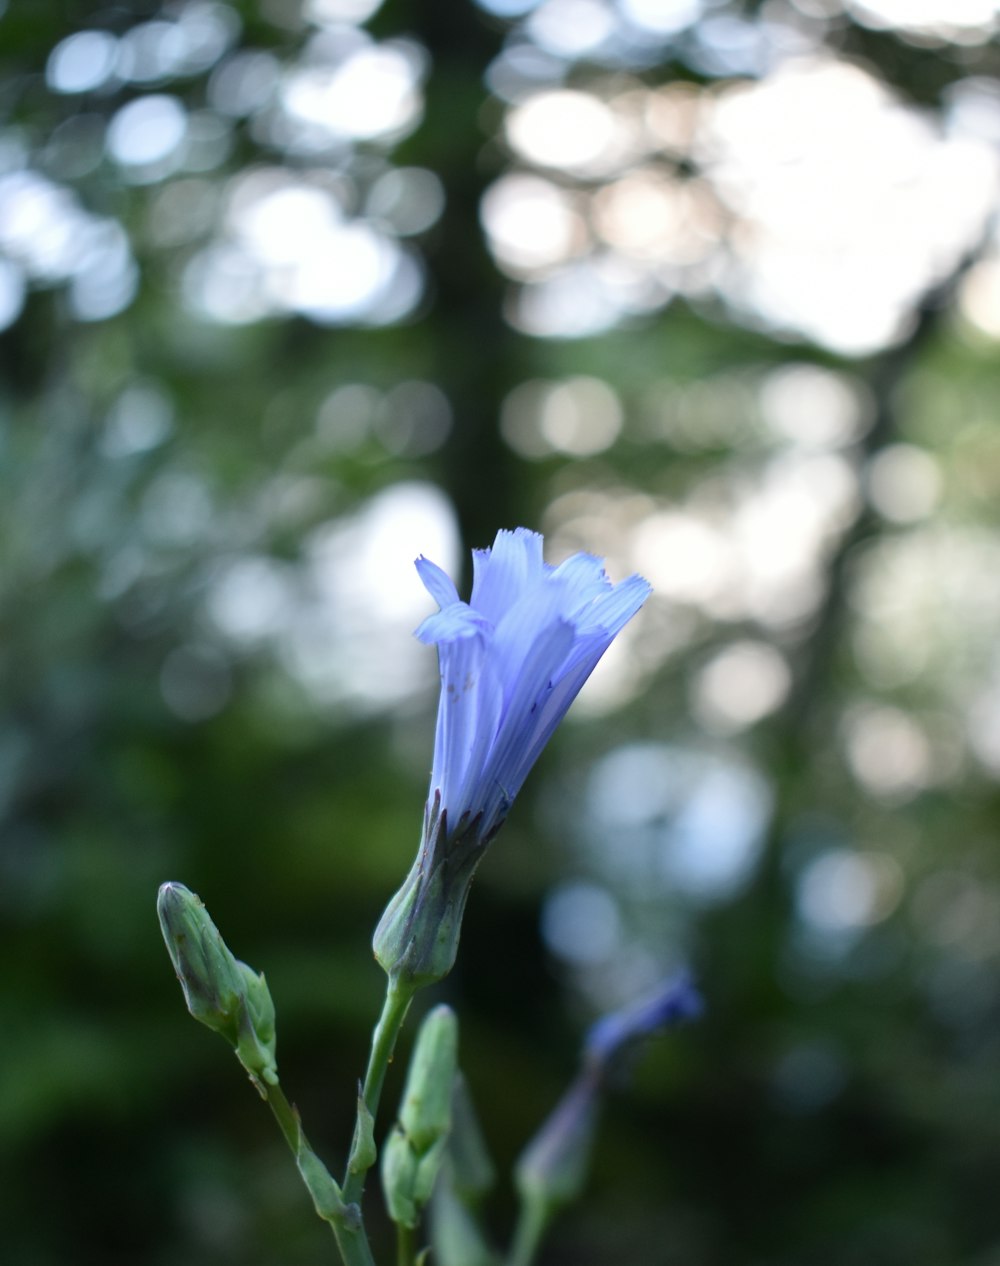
{"x":285,"y":1115}
{"x":344,"y":1219}
{"x":397,"y":1002}
{"x":405,"y":1245}
{"x":532,"y":1221}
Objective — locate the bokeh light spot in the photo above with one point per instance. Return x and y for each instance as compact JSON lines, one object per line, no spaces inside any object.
{"x":567,"y":129}
{"x":195,"y":682}
{"x":581,"y":923}
{"x":743,"y":683}
{"x":904,"y":483}
{"x":140,"y":419}
{"x":146,"y":132}
{"x":843,"y":890}
{"x":81,"y":62}
{"x":531,"y":224}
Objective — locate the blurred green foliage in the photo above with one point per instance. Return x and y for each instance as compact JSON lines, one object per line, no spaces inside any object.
{"x":840,"y":1103}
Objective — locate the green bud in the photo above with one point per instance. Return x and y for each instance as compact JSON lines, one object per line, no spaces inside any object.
{"x":209,"y":975}
{"x":415,"y":1149}
{"x":552,"y":1168}
{"x":408,"y":1177}
{"x":220,"y":991}
{"x":472,"y":1170}
{"x":425,"y":1113}
{"x":455,"y":1234}
{"x":399,"y":1169}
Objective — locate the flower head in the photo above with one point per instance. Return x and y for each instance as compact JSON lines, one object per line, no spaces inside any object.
{"x":513,"y":659}
{"x":675,"y":1002}
{"x":552,"y":1168}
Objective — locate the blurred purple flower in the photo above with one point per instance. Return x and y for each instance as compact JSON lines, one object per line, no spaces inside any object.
{"x":676,"y":1001}
{"x":552,"y":1168}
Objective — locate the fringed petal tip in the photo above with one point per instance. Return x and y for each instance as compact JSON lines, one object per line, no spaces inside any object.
{"x":523,"y":534}
{"x":610,"y":611}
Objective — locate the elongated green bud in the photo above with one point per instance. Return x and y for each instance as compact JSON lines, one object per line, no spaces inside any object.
{"x":425,"y":1113}
{"x":456,"y":1237}
{"x":415,"y":1148}
{"x":472,"y":1169}
{"x":551,"y":1170}
{"x":220,"y":991}
{"x":207,"y":971}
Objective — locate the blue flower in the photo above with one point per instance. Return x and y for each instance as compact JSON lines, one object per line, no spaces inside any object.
{"x":675,"y":1002}
{"x":512,"y":661}
{"x":552,"y":1168}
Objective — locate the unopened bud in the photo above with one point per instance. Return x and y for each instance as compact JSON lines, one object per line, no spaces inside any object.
{"x":415,"y":1148}
{"x":456,"y":1237}
{"x":551,"y":1170}
{"x":472,"y":1170}
{"x":219,"y":990}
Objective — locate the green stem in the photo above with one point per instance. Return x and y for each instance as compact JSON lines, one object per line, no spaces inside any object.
{"x":406,"y":1244}
{"x":344,"y":1219}
{"x":532,"y":1221}
{"x":397,"y":1002}
{"x":285,"y":1115}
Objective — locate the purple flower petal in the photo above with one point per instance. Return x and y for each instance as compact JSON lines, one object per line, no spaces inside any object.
{"x":512,"y":661}
{"x":438,"y":583}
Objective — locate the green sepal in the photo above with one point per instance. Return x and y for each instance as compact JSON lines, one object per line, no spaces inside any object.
{"x":416,"y":940}
{"x":256,"y":1046}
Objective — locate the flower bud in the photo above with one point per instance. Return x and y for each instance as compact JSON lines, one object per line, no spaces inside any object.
{"x":415,"y":1148}
{"x":456,"y":1237}
{"x":676,"y":1001}
{"x":553,"y":1167}
{"x":551,"y":1170}
{"x":219,"y":990}
{"x":472,"y":1170}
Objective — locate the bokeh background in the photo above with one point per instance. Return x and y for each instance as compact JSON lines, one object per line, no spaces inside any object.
{"x":294,"y":290}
